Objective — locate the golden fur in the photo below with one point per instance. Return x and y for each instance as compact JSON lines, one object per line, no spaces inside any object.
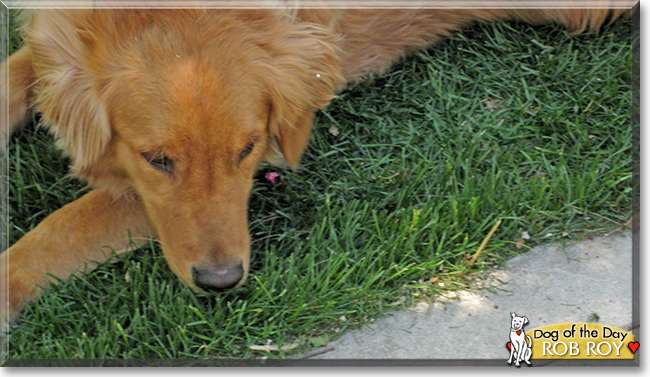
{"x":168,"y":113}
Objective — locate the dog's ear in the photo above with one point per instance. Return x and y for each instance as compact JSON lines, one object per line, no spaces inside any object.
{"x":303,"y":76}
{"x":513,"y":314}
{"x":68,"y":93}
{"x":525,"y":320}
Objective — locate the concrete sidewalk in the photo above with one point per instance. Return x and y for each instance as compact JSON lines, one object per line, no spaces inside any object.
{"x":558,"y":283}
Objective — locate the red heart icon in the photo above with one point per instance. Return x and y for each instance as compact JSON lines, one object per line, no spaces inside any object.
{"x":633,"y":346}
{"x":508,"y":345}
{"x":519,"y":332}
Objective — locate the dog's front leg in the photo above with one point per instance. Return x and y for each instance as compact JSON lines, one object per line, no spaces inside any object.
{"x":519,"y":353}
{"x":68,"y":241}
{"x":513,"y":352}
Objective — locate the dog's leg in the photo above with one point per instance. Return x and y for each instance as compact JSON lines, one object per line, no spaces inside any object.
{"x":17,"y":78}
{"x":574,"y":20}
{"x":375,"y":39}
{"x":517,"y":347}
{"x":529,"y":349}
{"x":68,"y":241}
{"x":521,"y":352}
{"x":518,"y":358}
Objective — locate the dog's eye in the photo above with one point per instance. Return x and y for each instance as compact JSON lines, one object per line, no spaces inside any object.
{"x":249,"y":148}
{"x":158,"y":160}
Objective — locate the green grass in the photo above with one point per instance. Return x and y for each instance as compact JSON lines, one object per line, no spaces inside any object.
{"x":525,"y":124}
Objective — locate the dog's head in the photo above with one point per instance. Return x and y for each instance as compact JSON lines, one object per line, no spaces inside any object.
{"x":181,"y":107}
{"x":517,"y":322}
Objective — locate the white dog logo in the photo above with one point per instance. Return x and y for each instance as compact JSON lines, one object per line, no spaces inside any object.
{"x":520,"y":350}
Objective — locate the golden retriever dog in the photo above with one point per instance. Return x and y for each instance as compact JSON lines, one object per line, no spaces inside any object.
{"x":168,"y":113}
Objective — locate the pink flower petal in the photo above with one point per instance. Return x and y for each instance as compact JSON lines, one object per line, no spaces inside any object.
{"x":274,"y":178}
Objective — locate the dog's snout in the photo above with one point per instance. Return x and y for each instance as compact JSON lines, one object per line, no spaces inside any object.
{"x":218,"y":279}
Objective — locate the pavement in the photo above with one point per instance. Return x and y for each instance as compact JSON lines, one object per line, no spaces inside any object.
{"x":557,"y":283}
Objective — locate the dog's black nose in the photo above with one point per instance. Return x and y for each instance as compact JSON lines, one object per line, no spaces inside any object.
{"x":218,"y":279}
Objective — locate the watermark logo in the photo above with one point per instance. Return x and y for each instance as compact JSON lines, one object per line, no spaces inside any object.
{"x":582,"y":340}
{"x":562,"y":341}
{"x":520,"y":344}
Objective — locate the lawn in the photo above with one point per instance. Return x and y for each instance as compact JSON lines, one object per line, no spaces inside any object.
{"x":405,"y":176}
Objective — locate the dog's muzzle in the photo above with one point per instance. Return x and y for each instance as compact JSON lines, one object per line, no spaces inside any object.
{"x":218,"y":279}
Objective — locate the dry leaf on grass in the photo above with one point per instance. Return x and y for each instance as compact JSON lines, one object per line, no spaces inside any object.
{"x":492,"y":105}
{"x":520,"y":243}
